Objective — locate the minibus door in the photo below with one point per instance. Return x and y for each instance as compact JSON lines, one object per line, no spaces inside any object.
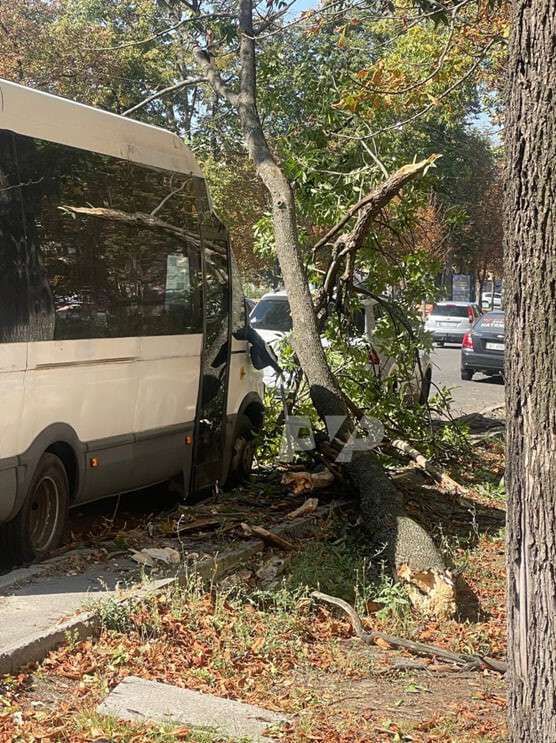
{"x":210,"y":426}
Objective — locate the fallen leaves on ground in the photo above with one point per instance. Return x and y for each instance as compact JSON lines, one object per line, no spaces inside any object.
{"x":283,"y":653}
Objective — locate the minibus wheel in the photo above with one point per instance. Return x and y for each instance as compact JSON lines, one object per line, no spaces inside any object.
{"x":39,"y":526}
{"x":243,"y":452}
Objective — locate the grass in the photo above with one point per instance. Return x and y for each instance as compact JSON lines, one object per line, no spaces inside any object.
{"x":495,"y":491}
{"x":101,"y":727}
{"x":273,"y":648}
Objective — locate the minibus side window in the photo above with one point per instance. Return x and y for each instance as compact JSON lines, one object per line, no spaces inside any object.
{"x":119,"y":243}
{"x":26,"y":303}
{"x":239,"y":316}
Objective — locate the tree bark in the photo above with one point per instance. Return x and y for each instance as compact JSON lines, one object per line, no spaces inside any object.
{"x":325,"y":392}
{"x":405,"y":541}
{"x":530,"y":300}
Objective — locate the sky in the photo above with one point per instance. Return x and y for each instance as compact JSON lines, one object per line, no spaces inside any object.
{"x":300,"y":5}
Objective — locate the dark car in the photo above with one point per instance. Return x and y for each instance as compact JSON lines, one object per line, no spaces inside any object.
{"x":482,"y":349}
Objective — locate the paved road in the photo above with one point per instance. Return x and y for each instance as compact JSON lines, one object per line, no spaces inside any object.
{"x":469,"y":397}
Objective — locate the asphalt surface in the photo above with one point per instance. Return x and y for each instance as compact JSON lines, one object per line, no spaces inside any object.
{"x":480,"y":393}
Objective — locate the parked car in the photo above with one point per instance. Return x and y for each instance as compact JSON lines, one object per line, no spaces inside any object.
{"x":450,"y":321}
{"x":271,"y":318}
{"x":482,"y":349}
{"x":487,"y":300}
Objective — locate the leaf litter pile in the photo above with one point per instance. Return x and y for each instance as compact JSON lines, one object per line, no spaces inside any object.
{"x":260,"y":638}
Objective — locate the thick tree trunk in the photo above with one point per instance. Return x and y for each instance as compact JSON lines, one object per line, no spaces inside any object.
{"x":530,"y":300}
{"x":405,"y":542}
{"x":325,"y":393}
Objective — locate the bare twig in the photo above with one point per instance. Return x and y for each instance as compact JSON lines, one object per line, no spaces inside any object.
{"x":167,"y":198}
{"x":160,"y":34}
{"x":170,"y":89}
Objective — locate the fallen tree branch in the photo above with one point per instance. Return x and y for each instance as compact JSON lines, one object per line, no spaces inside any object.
{"x":470,"y":662}
{"x":379,"y":197}
{"x":480,"y":438}
{"x":269,"y":537}
{"x":423,"y":463}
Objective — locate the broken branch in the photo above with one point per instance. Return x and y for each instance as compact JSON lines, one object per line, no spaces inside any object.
{"x":423,"y":463}
{"x":471,"y":662}
{"x":268,"y":536}
{"x":379,"y":197}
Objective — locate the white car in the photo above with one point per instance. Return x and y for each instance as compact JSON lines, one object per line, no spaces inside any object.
{"x":486,"y":300}
{"x":448,"y":322}
{"x":271,"y":319}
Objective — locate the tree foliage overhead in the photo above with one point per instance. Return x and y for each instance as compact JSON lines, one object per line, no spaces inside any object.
{"x":336,"y":85}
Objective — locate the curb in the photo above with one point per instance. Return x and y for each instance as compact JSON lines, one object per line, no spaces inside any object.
{"x":20,"y":576}
{"x":87,"y":624}
{"x":484,"y":411}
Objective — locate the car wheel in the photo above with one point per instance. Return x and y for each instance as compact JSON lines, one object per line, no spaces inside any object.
{"x":243,"y":453}
{"x":440,"y":344}
{"x":39,"y":526}
{"x":467,"y":374}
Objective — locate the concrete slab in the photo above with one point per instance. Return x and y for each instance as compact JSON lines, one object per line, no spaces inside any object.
{"x":137,"y":700}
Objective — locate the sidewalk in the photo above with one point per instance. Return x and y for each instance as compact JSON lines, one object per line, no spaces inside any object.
{"x":40,"y":605}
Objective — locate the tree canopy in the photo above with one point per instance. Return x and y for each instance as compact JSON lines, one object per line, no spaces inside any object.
{"x":347,"y":93}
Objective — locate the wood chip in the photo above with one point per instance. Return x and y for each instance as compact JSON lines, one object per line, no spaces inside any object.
{"x":301,"y":482}
{"x":267,"y":536}
{"x":310,"y":506}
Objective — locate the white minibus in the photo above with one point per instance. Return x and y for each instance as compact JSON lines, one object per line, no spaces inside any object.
{"x":124,"y":359}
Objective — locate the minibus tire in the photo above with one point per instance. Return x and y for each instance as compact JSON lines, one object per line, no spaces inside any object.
{"x":243,"y":452}
{"x":40,"y":524}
